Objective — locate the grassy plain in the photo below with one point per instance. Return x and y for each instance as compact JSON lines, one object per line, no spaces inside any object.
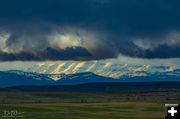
{"x":76,"y":105}
{"x":110,"y":110}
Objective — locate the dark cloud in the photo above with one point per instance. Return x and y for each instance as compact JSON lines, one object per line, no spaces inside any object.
{"x":137,"y":16}
{"x":73,"y":53}
{"x":135,"y":28}
{"x":162,"y":51}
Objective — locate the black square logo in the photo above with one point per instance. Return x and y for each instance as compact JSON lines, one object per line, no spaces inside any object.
{"x":172,"y":111}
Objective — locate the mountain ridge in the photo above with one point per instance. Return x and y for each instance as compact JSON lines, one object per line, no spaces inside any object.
{"x":107,"y":68}
{"x":14,"y":78}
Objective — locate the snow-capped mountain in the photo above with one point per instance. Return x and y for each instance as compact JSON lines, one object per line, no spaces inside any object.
{"x":13,"y":78}
{"x":18,"y":78}
{"x":104,"y":68}
{"x":78,"y":72}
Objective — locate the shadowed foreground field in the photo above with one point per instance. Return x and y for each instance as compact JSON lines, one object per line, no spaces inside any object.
{"x":78,"y":105}
{"x":117,"y":110}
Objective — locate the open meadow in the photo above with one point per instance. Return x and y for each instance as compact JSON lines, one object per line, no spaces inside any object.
{"x":76,"y":105}
{"x":117,"y":110}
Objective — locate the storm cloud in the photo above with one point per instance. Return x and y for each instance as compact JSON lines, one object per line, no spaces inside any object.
{"x":89,"y":29}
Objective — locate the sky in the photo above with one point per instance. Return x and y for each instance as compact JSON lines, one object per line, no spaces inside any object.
{"x":55,"y":30}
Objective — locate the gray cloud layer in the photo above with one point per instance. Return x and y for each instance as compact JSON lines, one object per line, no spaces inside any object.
{"x":89,"y":29}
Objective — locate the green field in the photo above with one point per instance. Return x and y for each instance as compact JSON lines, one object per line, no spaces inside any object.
{"x":76,"y":105}
{"x":117,"y":110}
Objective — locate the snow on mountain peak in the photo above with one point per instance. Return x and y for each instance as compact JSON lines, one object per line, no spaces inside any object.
{"x":103,"y":68}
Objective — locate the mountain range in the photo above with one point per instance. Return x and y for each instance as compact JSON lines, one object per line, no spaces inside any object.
{"x":76,"y":72}
{"x":20,"y":78}
{"x":104,"y":68}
